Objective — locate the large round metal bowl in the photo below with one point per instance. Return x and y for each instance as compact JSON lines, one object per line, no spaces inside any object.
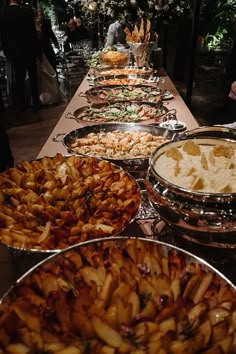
{"x":107,"y":112}
{"x":122,"y":70}
{"x":209,"y":217}
{"x":50,"y":204}
{"x":120,"y":296}
{"x":131,"y":164}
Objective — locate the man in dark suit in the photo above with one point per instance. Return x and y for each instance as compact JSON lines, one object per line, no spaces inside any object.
{"x":19,"y":42}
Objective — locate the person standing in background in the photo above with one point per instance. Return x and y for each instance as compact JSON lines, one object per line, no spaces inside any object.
{"x":47,"y":37}
{"x":20,"y":46}
{"x":82,"y":32}
{"x":71,"y":34}
{"x":116,"y":33}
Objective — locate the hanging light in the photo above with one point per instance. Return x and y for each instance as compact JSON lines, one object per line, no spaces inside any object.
{"x":92,"y":6}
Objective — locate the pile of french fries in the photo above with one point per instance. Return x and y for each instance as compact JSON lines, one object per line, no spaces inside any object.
{"x":57,"y":202}
{"x":126,"y":296}
{"x":141,"y":33}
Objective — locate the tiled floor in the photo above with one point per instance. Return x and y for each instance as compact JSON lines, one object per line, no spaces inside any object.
{"x":28,"y":132}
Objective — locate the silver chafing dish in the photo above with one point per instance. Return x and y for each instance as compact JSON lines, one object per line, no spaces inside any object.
{"x":134,"y":164}
{"x":79,"y":114}
{"x":48,"y":219}
{"x":190,"y":294}
{"x":132,"y":79}
{"x":151,"y":93}
{"x":206,"y":218}
{"x":121,"y":70}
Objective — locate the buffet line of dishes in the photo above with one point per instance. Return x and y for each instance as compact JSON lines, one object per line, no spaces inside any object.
{"x":98,"y":292}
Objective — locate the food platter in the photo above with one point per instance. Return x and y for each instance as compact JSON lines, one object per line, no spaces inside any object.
{"x":118,"y":142}
{"x":120,"y":295}
{"x":116,"y":93}
{"x":127,"y":80}
{"x":122,"y":70}
{"x":55,"y":202}
{"x":114,"y":57}
{"x":197,"y":197}
{"x":118,"y":112}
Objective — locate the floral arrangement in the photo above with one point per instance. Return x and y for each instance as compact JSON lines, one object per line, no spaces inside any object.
{"x":169,"y":9}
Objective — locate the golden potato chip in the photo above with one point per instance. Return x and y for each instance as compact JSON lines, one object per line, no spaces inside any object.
{"x":174,"y":153}
{"x":191,"y":148}
{"x":191,"y":171}
{"x":222,"y":150}
{"x":198,"y":183}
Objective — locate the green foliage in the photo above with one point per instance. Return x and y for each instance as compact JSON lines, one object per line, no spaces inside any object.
{"x":221,"y":18}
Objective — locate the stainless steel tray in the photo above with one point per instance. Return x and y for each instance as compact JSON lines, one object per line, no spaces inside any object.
{"x":122,"y":70}
{"x":210,"y":218}
{"x":54,"y":290}
{"x":131,"y":80}
{"x":148,"y":93}
{"x":135,"y":163}
{"x":64,"y":173}
{"x":85,"y":113}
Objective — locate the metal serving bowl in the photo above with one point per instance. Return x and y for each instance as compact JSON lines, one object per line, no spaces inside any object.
{"x":210,"y":218}
{"x":213,"y":131}
{"x":155,"y":94}
{"x":54,"y":201}
{"x":80,"y":297}
{"x":122,"y":70}
{"x":134,"y":164}
{"x":160,"y":110}
{"x":141,"y":79}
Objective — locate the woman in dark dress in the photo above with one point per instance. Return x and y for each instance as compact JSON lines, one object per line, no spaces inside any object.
{"x":47,"y":37}
{"x":82,"y":32}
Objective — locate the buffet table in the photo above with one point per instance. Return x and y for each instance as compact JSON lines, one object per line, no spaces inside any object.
{"x":65,"y":125}
{"x":13,"y":265}
{"x":143,"y":227}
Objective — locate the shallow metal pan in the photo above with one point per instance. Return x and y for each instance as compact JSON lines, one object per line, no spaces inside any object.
{"x":35,"y":249}
{"x":122,"y":70}
{"x":171,"y":264}
{"x":160,"y":111}
{"x":158,"y":94}
{"x":209,"y":216}
{"x":130,"y":164}
{"x":132,"y":79}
